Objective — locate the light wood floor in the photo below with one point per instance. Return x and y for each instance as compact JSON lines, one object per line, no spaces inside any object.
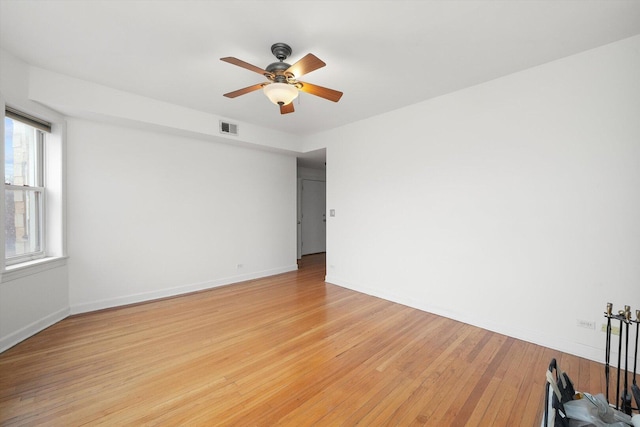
{"x":286,"y":350}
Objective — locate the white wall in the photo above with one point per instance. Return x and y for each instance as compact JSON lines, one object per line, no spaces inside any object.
{"x":152,"y":214}
{"x":513,"y":205}
{"x":32,"y":303}
{"x":35,"y":299}
{"x":161,"y":203}
{"x":154,"y":208}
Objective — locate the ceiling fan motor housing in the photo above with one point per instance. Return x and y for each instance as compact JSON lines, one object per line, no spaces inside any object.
{"x":277,"y":69}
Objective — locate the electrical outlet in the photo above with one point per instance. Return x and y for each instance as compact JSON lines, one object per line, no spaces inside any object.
{"x":615,"y":330}
{"x":586,"y":324}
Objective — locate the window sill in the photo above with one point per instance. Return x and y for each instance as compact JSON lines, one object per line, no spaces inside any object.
{"x":16,"y":271}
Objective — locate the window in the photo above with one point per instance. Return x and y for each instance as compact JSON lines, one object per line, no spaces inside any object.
{"x":24,"y":187}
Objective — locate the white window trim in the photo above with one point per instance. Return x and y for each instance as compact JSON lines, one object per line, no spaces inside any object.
{"x":55,"y":255}
{"x":28,"y":268}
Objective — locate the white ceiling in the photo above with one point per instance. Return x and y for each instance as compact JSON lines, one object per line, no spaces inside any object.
{"x":382,"y":54}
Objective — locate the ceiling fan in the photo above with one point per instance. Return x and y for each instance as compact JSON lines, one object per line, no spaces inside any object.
{"x":283,"y":85}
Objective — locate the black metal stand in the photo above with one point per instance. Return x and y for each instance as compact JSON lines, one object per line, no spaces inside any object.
{"x":624,"y":402}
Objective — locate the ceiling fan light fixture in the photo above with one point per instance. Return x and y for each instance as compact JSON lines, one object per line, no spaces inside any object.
{"x":280,"y":93}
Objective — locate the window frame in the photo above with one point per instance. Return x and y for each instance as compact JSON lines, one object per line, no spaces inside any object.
{"x":39,"y":190}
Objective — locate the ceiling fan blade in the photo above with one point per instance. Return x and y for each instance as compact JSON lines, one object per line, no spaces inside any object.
{"x":242,"y":91}
{"x":245,"y":65}
{"x":322,"y":92}
{"x":286,"y":109}
{"x":306,"y":65}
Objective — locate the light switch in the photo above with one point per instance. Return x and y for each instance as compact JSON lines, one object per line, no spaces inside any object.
{"x":332,"y":212}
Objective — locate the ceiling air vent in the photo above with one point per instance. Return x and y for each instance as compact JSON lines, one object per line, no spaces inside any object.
{"x":228,"y":128}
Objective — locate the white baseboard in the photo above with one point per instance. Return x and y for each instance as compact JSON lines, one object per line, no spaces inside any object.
{"x":32,"y":329}
{"x":86,"y":307}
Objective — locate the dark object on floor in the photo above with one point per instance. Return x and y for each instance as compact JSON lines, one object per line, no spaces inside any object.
{"x":558,"y":391}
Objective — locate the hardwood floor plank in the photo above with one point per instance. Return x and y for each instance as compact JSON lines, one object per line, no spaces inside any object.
{"x":285,"y":350}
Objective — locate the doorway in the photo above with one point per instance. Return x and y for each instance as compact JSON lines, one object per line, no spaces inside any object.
{"x":313,"y":221}
{"x":312,"y":177}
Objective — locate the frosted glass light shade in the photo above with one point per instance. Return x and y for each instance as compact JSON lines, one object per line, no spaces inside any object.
{"x":280,"y":93}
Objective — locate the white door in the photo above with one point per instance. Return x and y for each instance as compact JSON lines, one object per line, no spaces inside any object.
{"x":314,"y":221}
